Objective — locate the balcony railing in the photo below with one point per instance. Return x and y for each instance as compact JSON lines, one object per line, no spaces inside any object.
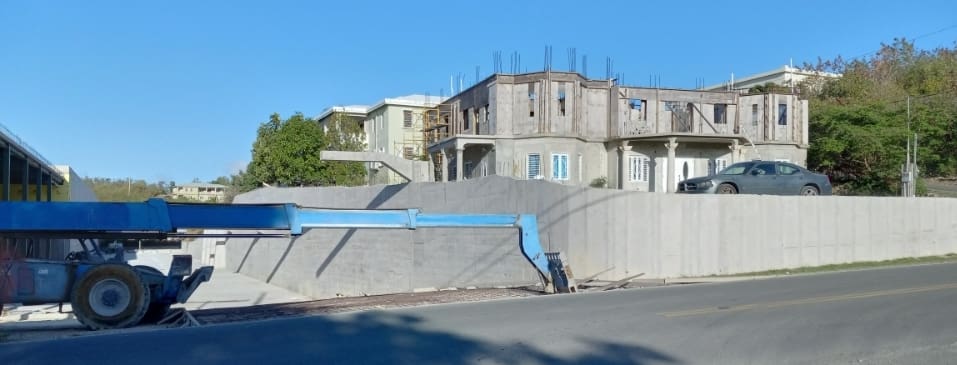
{"x":16,"y":139}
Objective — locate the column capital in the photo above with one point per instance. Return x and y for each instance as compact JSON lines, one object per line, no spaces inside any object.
{"x":672,"y":143}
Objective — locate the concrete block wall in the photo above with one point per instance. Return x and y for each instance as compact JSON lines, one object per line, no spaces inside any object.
{"x":619,"y":232}
{"x":326,"y":263}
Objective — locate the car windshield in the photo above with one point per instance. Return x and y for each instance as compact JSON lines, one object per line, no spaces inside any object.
{"x":736,"y":169}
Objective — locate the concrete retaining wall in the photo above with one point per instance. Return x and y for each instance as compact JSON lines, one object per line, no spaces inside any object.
{"x":625,"y":233}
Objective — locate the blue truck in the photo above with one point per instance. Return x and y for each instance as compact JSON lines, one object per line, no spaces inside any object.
{"x":106,"y":292}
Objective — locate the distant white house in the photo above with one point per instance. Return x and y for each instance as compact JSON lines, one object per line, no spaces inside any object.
{"x":200,"y":192}
{"x":786,"y":76}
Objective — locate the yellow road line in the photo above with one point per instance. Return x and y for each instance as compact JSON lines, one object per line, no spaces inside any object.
{"x":814,"y":300}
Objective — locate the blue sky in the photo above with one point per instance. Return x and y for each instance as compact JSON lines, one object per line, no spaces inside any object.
{"x":174,"y":90}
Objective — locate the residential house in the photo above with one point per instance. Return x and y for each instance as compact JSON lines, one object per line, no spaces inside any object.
{"x":392,"y":126}
{"x":565,"y":128}
{"x":784,"y":76}
{"x":200,"y":192}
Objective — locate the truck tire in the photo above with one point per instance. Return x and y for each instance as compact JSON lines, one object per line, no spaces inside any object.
{"x":110,"y":296}
{"x":157,"y":310}
{"x":155,"y":313}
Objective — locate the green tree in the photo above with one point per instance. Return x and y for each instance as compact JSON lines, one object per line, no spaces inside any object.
{"x":286,"y":153}
{"x":859,"y":124}
{"x":345,"y":133}
{"x":123,"y":190}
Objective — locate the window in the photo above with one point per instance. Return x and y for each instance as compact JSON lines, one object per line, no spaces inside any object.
{"x":531,"y":100}
{"x":638,"y":168}
{"x":788,"y":169}
{"x":407,"y":118}
{"x":561,"y":98}
{"x":717,"y":165}
{"x":754,"y":115}
{"x":638,"y":106}
{"x":559,"y":166}
{"x":486,"y":114}
{"x":721,"y":114}
{"x":782,"y":114}
{"x":408,"y":153}
{"x":468,"y":169}
{"x":581,"y":169}
{"x":561,"y":103}
{"x":466,"y":124}
{"x":533,"y":166}
{"x":763,"y":169}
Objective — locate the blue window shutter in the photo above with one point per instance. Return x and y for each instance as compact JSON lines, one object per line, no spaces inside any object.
{"x":564,"y":167}
{"x":555,"y":167}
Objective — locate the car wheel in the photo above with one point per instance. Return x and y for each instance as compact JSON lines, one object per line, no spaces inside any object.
{"x":727,"y":189}
{"x":809,"y":190}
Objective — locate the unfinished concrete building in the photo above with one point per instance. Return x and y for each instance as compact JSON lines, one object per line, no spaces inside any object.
{"x":562,"y":127}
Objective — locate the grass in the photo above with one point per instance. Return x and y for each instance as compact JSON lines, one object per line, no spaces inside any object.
{"x":951,"y":257}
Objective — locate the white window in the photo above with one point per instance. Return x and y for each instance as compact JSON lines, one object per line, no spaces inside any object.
{"x":580,"y":168}
{"x":715,"y":166}
{"x":638,"y":168}
{"x":533,"y":166}
{"x":407,"y":118}
{"x":560,"y":166}
{"x":782,"y":114}
{"x":754,"y":115}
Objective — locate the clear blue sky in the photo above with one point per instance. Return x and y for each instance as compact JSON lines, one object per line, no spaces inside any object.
{"x":174,"y":90}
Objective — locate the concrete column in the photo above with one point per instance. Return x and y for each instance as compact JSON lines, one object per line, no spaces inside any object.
{"x":459,"y":174}
{"x":735,"y":150}
{"x":445,"y":165}
{"x":25,"y":181}
{"x":39,"y":181}
{"x":622,"y":164}
{"x":671,"y":145}
{"x":5,"y":167}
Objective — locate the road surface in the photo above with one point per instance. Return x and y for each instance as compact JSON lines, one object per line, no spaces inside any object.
{"x":900,"y":315}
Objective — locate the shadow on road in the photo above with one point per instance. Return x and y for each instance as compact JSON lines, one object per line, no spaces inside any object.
{"x":364,"y":338}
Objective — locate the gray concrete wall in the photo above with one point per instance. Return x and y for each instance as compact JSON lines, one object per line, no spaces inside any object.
{"x":626,"y":232}
{"x":330,"y":262}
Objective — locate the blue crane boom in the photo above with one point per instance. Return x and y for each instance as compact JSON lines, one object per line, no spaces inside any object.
{"x":89,"y":280}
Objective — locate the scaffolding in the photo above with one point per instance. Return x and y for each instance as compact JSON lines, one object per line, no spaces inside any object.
{"x":426,"y":129}
{"x":437,"y":126}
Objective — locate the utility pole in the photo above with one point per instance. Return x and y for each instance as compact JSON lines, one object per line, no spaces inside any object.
{"x":909,"y":171}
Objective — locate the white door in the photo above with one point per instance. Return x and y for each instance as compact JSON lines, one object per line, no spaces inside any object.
{"x":684,"y":169}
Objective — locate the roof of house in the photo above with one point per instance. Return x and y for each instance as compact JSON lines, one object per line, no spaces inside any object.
{"x":415,"y":100}
{"x":778,"y":71}
{"x":200,"y":185}
{"x":348,"y":109}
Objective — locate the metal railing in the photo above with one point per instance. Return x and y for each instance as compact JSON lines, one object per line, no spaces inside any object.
{"x":6,"y":133}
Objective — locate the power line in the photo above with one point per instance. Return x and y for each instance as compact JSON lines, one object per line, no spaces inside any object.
{"x":941,"y":30}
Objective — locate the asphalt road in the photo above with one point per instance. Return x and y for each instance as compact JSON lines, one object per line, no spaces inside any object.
{"x":884,"y":316}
